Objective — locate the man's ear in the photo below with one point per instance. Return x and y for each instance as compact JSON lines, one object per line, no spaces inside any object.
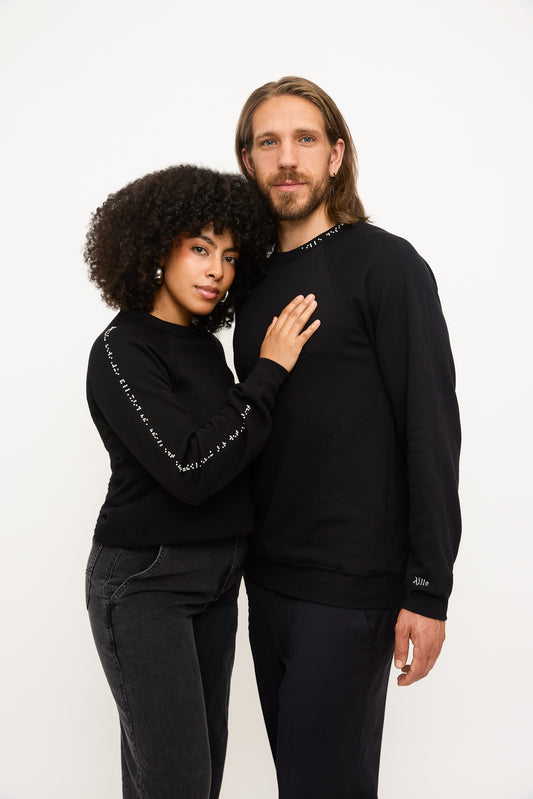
{"x":337,"y":154}
{"x":248,"y":163}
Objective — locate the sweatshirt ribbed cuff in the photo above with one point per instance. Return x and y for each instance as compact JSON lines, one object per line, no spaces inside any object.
{"x":434,"y":607}
{"x":271,"y":371}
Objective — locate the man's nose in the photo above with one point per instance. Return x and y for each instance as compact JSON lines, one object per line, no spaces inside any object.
{"x":287,"y":158}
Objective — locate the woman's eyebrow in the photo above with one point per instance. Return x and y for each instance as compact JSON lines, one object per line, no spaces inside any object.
{"x":207,"y":239}
{"x":213,"y":244}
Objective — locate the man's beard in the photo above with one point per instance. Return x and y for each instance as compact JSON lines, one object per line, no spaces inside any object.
{"x":287,"y":206}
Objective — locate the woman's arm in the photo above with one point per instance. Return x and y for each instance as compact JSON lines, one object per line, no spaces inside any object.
{"x":132,"y":389}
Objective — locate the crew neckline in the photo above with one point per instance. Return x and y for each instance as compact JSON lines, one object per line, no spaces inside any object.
{"x":321,"y":236}
{"x":317,"y":241}
{"x":174,"y":329}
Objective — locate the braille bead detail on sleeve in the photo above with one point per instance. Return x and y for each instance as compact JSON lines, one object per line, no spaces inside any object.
{"x":157,"y":438}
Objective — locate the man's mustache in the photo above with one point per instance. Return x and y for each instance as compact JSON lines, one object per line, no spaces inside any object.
{"x":282,"y":177}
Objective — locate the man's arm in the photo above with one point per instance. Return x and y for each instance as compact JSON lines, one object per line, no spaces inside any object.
{"x":413,"y":352}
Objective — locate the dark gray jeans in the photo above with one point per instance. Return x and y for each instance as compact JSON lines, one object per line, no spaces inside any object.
{"x":164,"y":621}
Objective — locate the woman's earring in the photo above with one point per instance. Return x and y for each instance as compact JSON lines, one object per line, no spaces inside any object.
{"x":158,"y":277}
{"x":224,"y":298}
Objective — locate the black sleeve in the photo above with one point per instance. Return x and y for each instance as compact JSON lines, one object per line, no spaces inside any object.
{"x":132,"y":389}
{"x":413,"y":352}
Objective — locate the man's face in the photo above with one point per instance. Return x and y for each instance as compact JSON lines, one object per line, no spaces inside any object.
{"x":291,"y":158}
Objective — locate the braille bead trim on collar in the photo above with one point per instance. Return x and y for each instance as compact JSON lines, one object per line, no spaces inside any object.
{"x":326,"y":235}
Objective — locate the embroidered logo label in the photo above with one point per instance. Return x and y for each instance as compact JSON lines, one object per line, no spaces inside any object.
{"x":421,"y":581}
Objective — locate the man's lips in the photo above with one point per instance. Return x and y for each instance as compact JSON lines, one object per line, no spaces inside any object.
{"x":207,"y":292}
{"x":288,"y":186}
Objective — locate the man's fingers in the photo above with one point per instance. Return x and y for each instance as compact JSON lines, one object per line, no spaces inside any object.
{"x":417,"y":670}
{"x":410,"y":673}
{"x":427,"y":635}
{"x":401,"y":646}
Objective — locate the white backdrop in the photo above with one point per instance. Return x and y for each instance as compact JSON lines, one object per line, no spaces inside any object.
{"x":438,"y":97}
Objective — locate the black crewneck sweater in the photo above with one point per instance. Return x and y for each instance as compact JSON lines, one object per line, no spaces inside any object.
{"x":178,"y":431}
{"x":356,"y":490}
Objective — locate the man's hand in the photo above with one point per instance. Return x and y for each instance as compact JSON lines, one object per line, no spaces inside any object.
{"x":427,"y":636}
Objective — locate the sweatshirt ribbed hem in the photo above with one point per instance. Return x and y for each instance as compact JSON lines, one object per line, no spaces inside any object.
{"x":325,"y":586}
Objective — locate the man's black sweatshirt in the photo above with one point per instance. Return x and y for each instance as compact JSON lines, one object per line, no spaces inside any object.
{"x":356,"y":490}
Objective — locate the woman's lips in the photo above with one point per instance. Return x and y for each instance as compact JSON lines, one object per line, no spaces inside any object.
{"x":207,"y":292}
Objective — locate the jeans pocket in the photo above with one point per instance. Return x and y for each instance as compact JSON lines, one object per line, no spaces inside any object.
{"x":235,"y":565}
{"x":380,"y":623}
{"x":132,"y":565}
{"x":94,"y":554}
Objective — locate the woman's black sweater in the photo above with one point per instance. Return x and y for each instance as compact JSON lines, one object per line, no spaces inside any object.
{"x":178,"y":431}
{"x":356,"y":489}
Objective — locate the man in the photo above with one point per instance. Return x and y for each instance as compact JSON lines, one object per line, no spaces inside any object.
{"x":356,"y":490}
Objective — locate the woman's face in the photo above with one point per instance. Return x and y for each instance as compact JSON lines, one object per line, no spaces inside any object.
{"x":196,"y":275}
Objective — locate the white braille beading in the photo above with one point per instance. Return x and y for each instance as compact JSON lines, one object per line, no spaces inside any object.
{"x":157,"y":438}
{"x":326,"y":235}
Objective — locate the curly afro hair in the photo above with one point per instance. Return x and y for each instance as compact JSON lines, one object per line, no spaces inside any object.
{"x":136,"y":227}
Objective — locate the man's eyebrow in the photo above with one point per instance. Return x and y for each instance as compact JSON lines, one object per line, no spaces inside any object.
{"x":311,"y":131}
{"x":262,"y":134}
{"x":298,"y":131}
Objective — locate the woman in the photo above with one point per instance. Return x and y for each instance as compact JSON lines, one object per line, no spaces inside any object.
{"x":175,"y":251}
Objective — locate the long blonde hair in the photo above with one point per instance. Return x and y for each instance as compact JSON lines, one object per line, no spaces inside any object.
{"x":343,"y":204}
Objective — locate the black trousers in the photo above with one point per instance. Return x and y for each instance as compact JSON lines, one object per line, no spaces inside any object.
{"x":322,"y":675}
{"x":164,"y":622}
